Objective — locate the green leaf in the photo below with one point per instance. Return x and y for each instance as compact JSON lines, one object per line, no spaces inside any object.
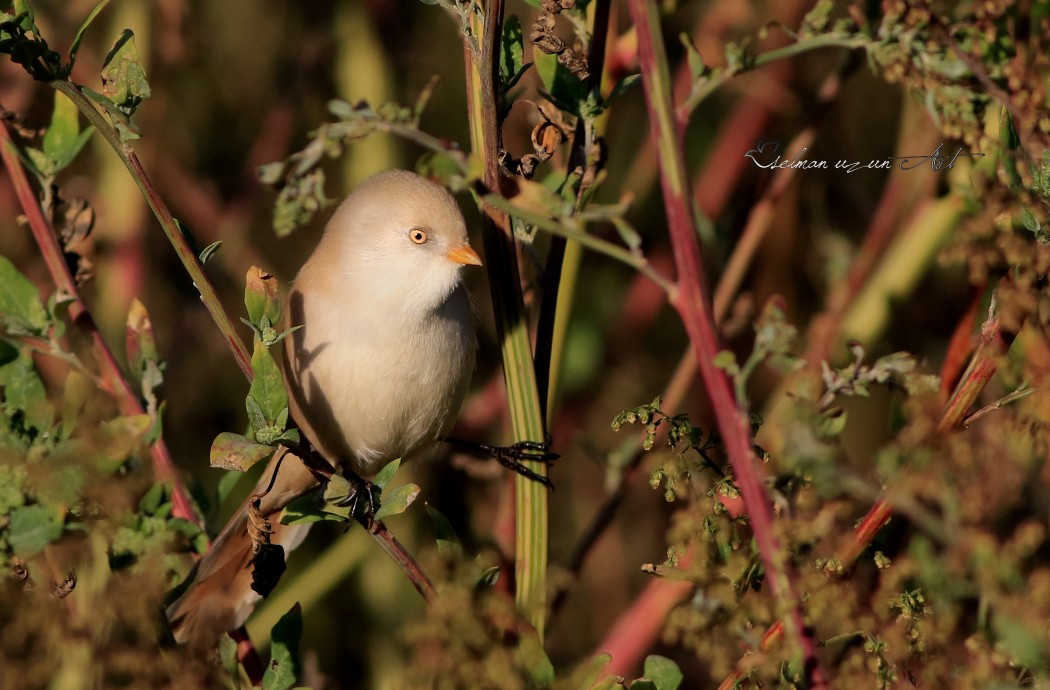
{"x":284,"y":664}
{"x":226,"y":485}
{"x":24,"y":391}
{"x":534,"y":660}
{"x":256,"y":418}
{"x":305,"y":510}
{"x":228,"y":658}
{"x":447,"y":541}
{"x":511,"y":52}
{"x":262,"y":298}
{"x":13,"y":480}
{"x":122,"y":435}
{"x":337,"y":489}
{"x":123,"y":77}
{"x":31,"y":529}
{"x":235,"y":452}
{"x":152,"y":499}
{"x":63,"y":139}
{"x":726,"y":361}
{"x":387,"y":473}
{"x":565,"y":88}
{"x":126,"y":129}
{"x":585,"y":676}
{"x":663,"y":672}
{"x":78,"y":391}
{"x":267,"y":388}
{"x":832,"y":423}
{"x":83,"y":27}
{"x":20,"y":304}
{"x":622,"y":87}
{"x":208,"y":252}
{"x":397,"y":501}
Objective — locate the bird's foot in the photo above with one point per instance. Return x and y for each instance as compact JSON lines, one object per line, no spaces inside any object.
{"x":514,"y":456}
{"x":363,"y":499}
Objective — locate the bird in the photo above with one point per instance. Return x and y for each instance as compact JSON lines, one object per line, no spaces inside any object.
{"x":378,"y":369}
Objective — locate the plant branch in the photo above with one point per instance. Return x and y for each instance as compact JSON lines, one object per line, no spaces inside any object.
{"x":692,"y":304}
{"x":573,"y":232}
{"x":167,"y":221}
{"x":707,"y":85}
{"x":1022,"y":392}
{"x":113,"y":379}
{"x":994,"y":343}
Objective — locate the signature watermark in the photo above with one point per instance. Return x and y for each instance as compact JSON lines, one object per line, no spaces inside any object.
{"x":767,"y":155}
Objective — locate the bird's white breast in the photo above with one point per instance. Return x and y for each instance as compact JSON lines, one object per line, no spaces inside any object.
{"x":369,"y":385}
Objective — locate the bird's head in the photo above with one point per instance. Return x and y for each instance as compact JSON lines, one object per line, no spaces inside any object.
{"x":402,"y":238}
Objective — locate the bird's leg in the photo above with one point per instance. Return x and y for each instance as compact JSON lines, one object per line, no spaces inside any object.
{"x":513,"y":456}
{"x":361,"y":489}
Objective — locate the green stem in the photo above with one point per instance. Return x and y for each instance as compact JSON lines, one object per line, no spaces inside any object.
{"x":705,"y":86}
{"x":167,"y":221}
{"x":523,"y":401}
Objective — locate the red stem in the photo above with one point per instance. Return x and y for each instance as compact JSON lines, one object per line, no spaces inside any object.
{"x":113,"y":378}
{"x":693,"y":306}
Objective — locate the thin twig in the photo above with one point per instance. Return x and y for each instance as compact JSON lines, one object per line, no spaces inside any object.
{"x":708,"y":84}
{"x":562,"y":229}
{"x":113,"y":377}
{"x":167,"y":222}
{"x":1018,"y":394}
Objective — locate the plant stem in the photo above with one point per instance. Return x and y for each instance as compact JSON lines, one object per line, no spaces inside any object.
{"x":573,"y":232}
{"x":1022,"y":392}
{"x":552,"y":270}
{"x":693,"y":307}
{"x":511,"y":323}
{"x":167,"y":221}
{"x":994,"y":343}
{"x":707,"y":85}
{"x":113,"y":377}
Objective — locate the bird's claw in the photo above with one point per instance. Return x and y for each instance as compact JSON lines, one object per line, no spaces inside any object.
{"x":363,"y":500}
{"x":515,"y":455}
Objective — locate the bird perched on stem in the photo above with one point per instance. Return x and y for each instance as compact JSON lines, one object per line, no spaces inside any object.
{"x":378,"y":370}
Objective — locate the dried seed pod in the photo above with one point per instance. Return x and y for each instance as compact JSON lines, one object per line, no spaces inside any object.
{"x":546,"y":138}
{"x":61,"y":590}
{"x":575,"y":63}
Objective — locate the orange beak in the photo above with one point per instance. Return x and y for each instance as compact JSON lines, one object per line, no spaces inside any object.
{"x":464,"y":255}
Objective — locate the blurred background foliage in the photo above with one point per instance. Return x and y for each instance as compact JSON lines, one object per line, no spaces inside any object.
{"x":956,"y":593}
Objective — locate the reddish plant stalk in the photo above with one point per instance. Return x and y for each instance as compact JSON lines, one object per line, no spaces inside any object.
{"x":982,"y":367}
{"x":691,"y":302}
{"x":113,"y":379}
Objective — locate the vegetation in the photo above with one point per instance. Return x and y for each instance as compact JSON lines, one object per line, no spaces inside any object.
{"x":841,"y":479}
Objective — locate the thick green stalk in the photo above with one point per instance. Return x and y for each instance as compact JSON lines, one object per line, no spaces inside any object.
{"x":512,"y":326}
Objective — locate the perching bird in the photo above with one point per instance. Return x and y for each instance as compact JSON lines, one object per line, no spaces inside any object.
{"x":378,"y":370}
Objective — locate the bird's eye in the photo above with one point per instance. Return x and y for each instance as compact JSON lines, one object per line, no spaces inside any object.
{"x":418,"y":235}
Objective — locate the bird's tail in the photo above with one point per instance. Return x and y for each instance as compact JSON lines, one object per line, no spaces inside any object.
{"x":220,"y":597}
